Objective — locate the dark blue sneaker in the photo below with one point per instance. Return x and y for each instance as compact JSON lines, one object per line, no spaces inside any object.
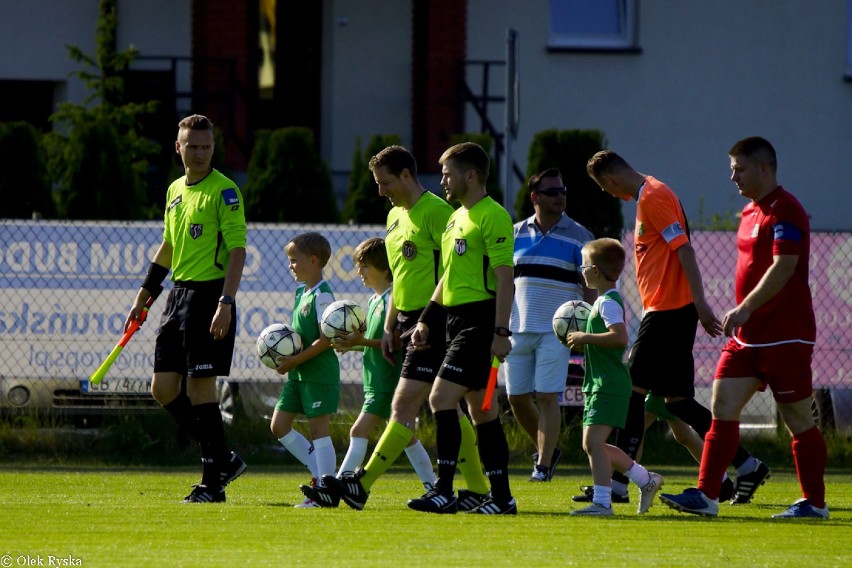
{"x":802,"y":509}
{"x":692,"y":501}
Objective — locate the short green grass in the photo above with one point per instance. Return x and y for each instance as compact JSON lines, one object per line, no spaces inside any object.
{"x":132,"y":517}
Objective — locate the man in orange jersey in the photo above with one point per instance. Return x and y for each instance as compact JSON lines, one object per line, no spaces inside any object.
{"x":673,"y":303}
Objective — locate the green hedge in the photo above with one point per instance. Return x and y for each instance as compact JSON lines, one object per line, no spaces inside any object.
{"x":569,"y":150}
{"x":287,"y":180}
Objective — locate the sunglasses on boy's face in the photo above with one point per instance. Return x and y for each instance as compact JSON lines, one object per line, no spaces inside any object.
{"x":552,"y":191}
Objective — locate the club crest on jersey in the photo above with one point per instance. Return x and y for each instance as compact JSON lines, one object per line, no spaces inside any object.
{"x":409,"y":250}
{"x":195,"y":230}
{"x":306,"y":310}
{"x":461,"y":246}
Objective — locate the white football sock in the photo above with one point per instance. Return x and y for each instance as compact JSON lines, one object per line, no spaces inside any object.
{"x":325,"y":456}
{"x":638,"y":475}
{"x":354,"y":456}
{"x":748,"y":466}
{"x":619,"y":488}
{"x":421,"y":463}
{"x":602,"y":496}
{"x":301,"y":449}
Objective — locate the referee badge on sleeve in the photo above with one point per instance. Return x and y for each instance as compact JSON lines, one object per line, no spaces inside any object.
{"x":461,"y":246}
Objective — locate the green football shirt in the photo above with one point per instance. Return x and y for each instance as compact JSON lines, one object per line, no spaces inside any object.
{"x":324,"y":368}
{"x":413,"y":243}
{"x":475,"y":242}
{"x":379,"y":375}
{"x":605,"y":370}
{"x":203,"y":222}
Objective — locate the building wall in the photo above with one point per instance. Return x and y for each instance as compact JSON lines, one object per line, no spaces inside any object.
{"x":367,"y":58}
{"x":709,"y":73}
{"x":33,"y":36}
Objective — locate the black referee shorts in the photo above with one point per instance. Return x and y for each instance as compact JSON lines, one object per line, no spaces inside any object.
{"x":470,"y":332}
{"x":661,"y":358}
{"x":184,"y":344}
{"x":422,"y":365}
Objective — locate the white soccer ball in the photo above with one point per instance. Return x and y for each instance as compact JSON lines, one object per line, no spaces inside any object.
{"x":342,"y":318}
{"x":275,"y":341}
{"x":570,"y":316}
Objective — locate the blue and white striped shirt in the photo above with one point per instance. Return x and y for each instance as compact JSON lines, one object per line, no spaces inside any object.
{"x":547,"y":271}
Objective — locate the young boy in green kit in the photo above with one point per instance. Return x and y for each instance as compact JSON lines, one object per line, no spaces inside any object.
{"x":607,"y":383}
{"x":380,"y":376}
{"x":313,"y":386}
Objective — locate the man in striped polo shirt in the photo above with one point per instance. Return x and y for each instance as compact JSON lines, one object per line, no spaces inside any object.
{"x":547,"y":274}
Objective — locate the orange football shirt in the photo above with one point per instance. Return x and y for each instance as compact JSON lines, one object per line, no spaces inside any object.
{"x":661,"y":229}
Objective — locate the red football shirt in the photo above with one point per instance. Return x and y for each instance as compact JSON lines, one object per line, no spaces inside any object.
{"x":776,"y":225}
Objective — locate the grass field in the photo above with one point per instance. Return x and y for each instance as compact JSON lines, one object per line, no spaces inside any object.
{"x":132,"y":517}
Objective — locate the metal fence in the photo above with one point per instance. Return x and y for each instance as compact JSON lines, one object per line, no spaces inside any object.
{"x":66,"y":288}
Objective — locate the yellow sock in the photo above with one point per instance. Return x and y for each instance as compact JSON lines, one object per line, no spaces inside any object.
{"x":393,"y":442}
{"x":469,"y":463}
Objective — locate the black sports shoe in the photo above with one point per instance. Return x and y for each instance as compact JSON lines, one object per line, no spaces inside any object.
{"x":589,"y":491}
{"x":497,"y":507}
{"x":322,"y":496}
{"x":468,"y":500}
{"x":348,"y":488}
{"x":232,"y":469}
{"x":435,"y":502}
{"x":727,"y":490}
{"x":203,"y":494}
{"x":746,"y":485}
{"x":550,"y":469}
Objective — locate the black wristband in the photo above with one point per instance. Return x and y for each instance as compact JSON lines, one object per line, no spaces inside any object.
{"x":431,"y":314}
{"x":154,"y":279}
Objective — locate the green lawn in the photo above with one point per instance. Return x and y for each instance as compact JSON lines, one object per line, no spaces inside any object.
{"x":133,"y":517}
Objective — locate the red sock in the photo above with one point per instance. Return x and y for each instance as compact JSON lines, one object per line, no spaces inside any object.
{"x":720,"y":445}
{"x":811,"y":456}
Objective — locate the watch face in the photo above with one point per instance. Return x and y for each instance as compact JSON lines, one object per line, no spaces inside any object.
{"x":226,"y":300}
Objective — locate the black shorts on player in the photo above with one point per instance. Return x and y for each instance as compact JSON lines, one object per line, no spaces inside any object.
{"x":661,"y":359}
{"x":422,"y":365}
{"x":470,"y":331}
{"x":184,"y":343}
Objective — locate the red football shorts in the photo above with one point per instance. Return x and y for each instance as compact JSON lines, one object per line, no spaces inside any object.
{"x":785,"y":368}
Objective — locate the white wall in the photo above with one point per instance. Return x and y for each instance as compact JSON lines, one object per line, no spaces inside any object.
{"x":709,"y":74}
{"x":367,"y":55}
{"x":34,"y":33}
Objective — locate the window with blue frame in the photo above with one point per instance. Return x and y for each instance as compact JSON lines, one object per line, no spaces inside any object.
{"x":595,"y":25}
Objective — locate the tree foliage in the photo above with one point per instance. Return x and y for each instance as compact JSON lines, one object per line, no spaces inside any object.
{"x":569,"y":150}
{"x":23,"y":183}
{"x":287,"y":180}
{"x":102,"y":131}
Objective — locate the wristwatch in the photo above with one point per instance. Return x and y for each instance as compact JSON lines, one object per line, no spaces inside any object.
{"x":227,"y":300}
{"x":502,"y":331}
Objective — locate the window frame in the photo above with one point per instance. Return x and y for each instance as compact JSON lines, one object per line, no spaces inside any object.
{"x":627,"y":41}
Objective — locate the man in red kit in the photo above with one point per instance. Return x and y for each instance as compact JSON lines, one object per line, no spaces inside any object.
{"x":772,"y":331}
